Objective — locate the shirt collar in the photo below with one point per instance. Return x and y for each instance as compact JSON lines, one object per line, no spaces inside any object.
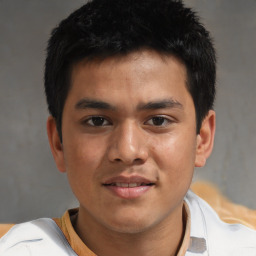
{"x":198,"y":235}
{"x":194,"y":240}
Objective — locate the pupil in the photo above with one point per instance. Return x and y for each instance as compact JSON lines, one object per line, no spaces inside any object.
{"x":98,"y":121}
{"x":158,"y":120}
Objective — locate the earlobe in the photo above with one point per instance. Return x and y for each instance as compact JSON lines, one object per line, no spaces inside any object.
{"x":55,"y":144}
{"x":205,"y":139}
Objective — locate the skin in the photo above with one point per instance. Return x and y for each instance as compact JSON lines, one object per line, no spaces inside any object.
{"x":158,"y":143}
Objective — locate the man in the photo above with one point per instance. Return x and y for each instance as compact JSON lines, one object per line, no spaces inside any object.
{"x":130,"y":87}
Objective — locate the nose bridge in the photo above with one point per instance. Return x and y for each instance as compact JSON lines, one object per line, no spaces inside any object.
{"x":127,"y":143}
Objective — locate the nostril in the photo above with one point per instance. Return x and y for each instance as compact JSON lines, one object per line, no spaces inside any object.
{"x":129,"y":161}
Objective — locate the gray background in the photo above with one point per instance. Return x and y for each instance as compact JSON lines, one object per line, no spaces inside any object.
{"x":31,"y":186}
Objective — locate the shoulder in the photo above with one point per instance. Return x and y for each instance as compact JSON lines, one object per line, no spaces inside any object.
{"x":221,"y":238}
{"x":227,"y":211}
{"x":39,"y":237}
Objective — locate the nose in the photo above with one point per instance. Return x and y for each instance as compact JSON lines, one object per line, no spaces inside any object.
{"x":128,"y":145}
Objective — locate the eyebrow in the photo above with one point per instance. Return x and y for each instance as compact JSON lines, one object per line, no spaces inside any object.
{"x":166,"y":103}
{"x":96,"y":104}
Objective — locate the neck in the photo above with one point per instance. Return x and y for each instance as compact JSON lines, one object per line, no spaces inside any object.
{"x":165,"y":238}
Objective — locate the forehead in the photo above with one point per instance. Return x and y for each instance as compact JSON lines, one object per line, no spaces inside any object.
{"x":146,"y":58}
{"x":141,"y":76}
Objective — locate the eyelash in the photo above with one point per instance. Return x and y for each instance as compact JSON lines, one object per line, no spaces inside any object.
{"x":162,"y":118}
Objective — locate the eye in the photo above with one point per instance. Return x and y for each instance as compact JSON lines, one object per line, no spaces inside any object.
{"x":97,"y":121}
{"x":158,"y":121}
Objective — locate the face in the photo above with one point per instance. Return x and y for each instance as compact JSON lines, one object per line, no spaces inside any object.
{"x":129,"y":140}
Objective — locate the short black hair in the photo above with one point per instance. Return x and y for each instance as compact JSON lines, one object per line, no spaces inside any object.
{"x":109,"y":28}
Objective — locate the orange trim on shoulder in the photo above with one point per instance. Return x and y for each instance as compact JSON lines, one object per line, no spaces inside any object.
{"x":4,"y":228}
{"x":227,"y":211}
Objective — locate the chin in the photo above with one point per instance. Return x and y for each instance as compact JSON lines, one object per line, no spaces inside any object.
{"x":130,"y":224}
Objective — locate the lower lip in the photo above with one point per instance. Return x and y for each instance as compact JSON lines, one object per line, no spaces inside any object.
{"x":129,"y":193}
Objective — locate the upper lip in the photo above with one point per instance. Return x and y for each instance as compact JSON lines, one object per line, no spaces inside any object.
{"x":128,"y":179}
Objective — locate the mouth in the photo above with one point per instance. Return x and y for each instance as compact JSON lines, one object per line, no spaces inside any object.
{"x":128,"y":187}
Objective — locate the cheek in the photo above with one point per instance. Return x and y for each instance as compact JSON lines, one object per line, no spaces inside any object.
{"x":175,"y":154}
{"x":83,"y":155}
{"x":82,"y":158}
{"x":175,"y":159}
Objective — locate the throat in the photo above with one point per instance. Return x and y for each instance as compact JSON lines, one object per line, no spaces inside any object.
{"x":165,"y":238}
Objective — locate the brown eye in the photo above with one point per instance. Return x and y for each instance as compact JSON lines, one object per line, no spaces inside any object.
{"x":158,"y":120}
{"x":97,"y":121}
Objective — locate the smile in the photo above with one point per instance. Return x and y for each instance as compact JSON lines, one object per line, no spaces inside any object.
{"x":128,"y":188}
{"x":128,"y":185}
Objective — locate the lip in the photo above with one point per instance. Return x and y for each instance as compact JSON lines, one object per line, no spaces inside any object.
{"x":128,"y":179}
{"x":128,"y":188}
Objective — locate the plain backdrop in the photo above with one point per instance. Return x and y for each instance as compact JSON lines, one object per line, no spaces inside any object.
{"x":31,"y":186}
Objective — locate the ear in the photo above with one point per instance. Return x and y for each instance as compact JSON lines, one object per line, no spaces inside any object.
{"x":55,"y":144}
{"x":205,"y":139}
